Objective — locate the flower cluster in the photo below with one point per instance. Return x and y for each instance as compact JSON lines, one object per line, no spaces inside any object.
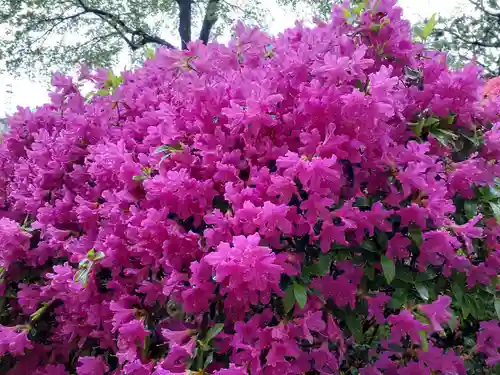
{"x":320,"y":202}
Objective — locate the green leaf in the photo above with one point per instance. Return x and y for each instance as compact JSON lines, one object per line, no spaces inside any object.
{"x":369,"y":245}
{"x":452,"y":323}
{"x":164,"y":157}
{"x":495,"y":207}
{"x":82,"y":276}
{"x":320,"y":267}
{"x":149,"y":53}
{"x":214,"y":331}
{"x":358,"y":8}
{"x":209,"y":359}
{"x":399,"y":298}
{"x":458,"y":292}
{"x":445,"y":137}
{"x":417,"y":30}
{"x":370,"y":272}
{"x":289,"y":299}
{"x":38,"y":313}
{"x":418,"y":127}
{"x":145,"y":347}
{"x":168,"y":148}
{"x":404,"y":274}
{"x":113,"y":81}
{"x":354,"y":325}
{"x":381,"y":239}
{"x":470,"y":208}
{"x":425,"y":343}
{"x":422,"y":291}
{"x":471,"y":305}
{"x":300,"y":294}
{"x":89,"y":96}
{"x":388,"y":267}
{"x":429,"y":26}
{"x":425,"y":276}
{"x":413,"y":74}
{"x":497,"y":307}
{"x":416,"y":234}
{"x":431,"y":122}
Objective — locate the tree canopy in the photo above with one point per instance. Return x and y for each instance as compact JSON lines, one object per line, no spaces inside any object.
{"x":47,"y":35}
{"x":472,"y":34}
{"x":43,"y":35}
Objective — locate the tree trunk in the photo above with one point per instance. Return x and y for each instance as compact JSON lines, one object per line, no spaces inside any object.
{"x":209,"y":20}
{"x":185,"y":21}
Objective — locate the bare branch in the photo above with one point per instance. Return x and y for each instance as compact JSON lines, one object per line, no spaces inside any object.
{"x":473,"y":42}
{"x":209,"y":20}
{"x":123,"y":29}
{"x":54,"y":26}
{"x":489,"y":11}
{"x":62,"y":19}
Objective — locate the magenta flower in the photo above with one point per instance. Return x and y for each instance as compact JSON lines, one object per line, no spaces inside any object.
{"x":469,"y":231}
{"x":13,"y":341}
{"x":312,"y":322}
{"x":437,"y":312}
{"x":232,"y":370}
{"x":245,"y":266}
{"x":405,"y":324}
{"x":415,"y":368}
{"x":91,"y":366}
{"x":488,"y":341}
{"x":398,"y":247}
{"x":376,"y":307}
{"x":446,"y":362}
{"x":15,"y":242}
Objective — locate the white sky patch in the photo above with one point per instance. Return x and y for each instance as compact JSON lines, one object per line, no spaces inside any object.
{"x":23,"y":92}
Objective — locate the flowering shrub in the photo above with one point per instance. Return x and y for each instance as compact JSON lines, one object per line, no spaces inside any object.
{"x":492,"y":87}
{"x":322,"y":202}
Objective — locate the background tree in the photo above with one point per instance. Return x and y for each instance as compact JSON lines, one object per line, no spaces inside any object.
{"x":46,"y":35}
{"x":472,"y":34}
{"x":42,"y":35}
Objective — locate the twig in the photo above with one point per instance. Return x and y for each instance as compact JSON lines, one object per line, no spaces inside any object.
{"x":122,"y":28}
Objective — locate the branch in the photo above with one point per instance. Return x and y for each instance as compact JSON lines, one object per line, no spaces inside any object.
{"x":122,"y":29}
{"x":490,"y":12}
{"x":468,"y":58}
{"x":59,"y":20}
{"x":209,"y":20}
{"x":97,"y":38}
{"x":62,"y":19}
{"x":185,"y":21}
{"x":146,"y":38}
{"x":473,"y":42}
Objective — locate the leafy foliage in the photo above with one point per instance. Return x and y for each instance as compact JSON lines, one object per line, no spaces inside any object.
{"x":47,"y":35}
{"x":472,"y":34}
{"x":44,"y":35}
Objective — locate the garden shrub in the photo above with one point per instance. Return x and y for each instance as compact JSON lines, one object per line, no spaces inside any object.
{"x":320,"y":202}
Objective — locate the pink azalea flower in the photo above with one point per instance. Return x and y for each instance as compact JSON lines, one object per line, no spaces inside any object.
{"x":437,"y":312}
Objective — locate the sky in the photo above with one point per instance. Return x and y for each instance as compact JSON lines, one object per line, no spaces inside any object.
{"x":29,"y":94}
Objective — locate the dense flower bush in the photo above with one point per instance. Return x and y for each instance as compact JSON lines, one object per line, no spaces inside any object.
{"x":322,"y":202}
{"x":492,"y":87}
